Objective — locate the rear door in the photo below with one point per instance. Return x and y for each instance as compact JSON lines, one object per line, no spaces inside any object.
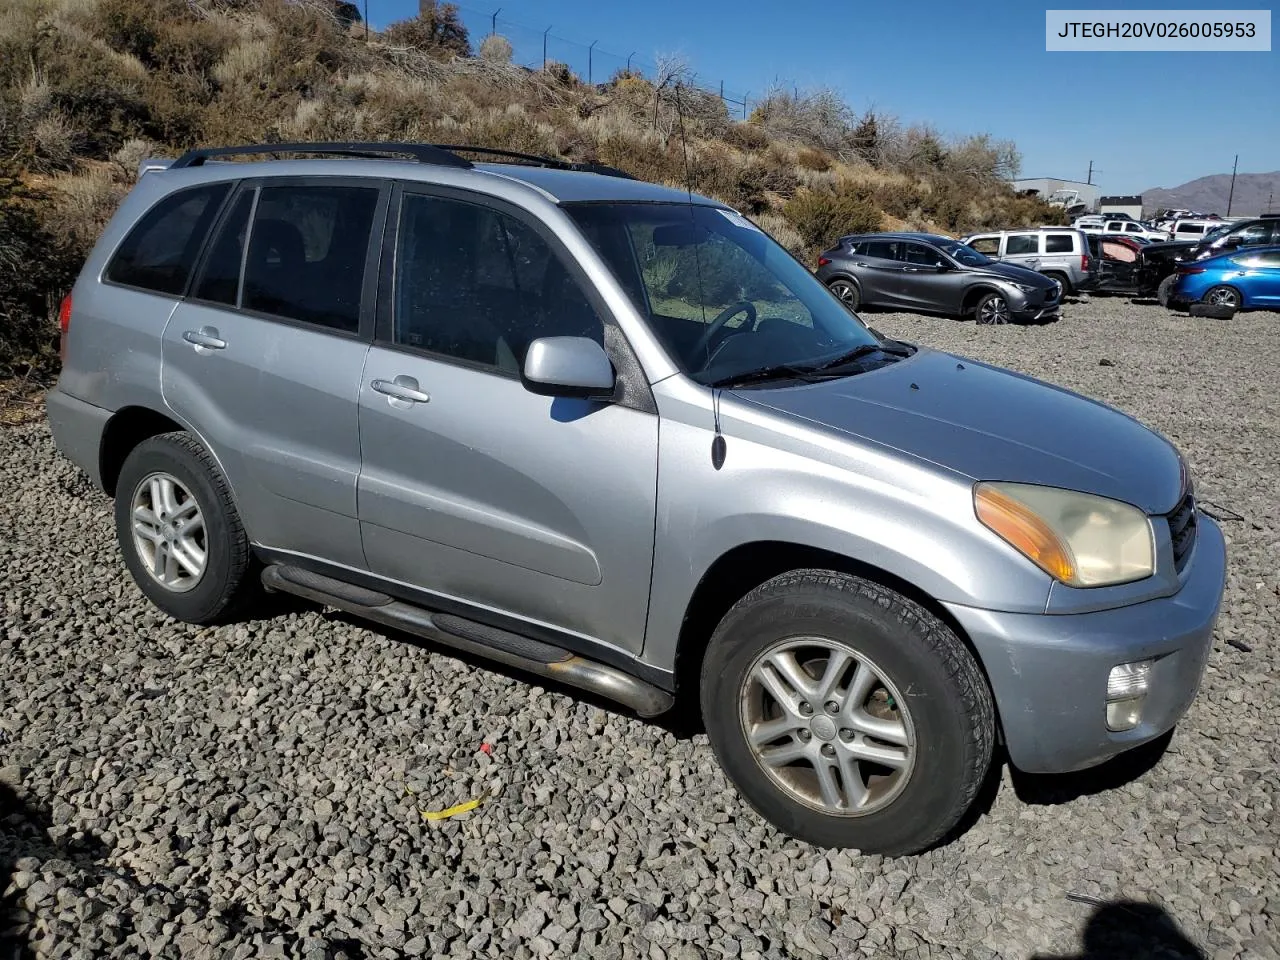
{"x":264,"y":358}
{"x":524,"y":511}
{"x":877,"y":269}
{"x":1023,"y":249}
{"x":1263,"y":281}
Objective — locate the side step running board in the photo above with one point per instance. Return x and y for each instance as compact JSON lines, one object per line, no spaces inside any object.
{"x":524,"y":653}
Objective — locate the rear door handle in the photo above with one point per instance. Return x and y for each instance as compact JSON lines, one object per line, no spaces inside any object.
{"x":402,"y":388}
{"x":206,"y":337}
{"x":910,"y":269}
{"x":861,"y":264}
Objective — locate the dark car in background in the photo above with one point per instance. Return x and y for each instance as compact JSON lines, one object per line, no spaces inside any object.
{"x":1160,"y":261}
{"x":935,"y":274}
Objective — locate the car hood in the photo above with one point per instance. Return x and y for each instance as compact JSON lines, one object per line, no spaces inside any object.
{"x":987,"y":423}
{"x":1011,"y":271}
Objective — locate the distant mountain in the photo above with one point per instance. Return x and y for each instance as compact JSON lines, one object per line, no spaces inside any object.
{"x":1209,"y":195}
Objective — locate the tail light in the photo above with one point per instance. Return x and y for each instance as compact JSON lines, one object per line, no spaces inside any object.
{"x":64,"y":324}
{"x":1188,"y":270}
{"x":1085,"y":263}
{"x":823,"y":261}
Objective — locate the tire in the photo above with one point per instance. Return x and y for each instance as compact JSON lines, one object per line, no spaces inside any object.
{"x":1064,"y":284}
{"x":942,"y":733}
{"x":171,"y":471}
{"x":1228,"y":298}
{"x":1165,"y":289}
{"x":847,"y":292}
{"x":992,"y":310}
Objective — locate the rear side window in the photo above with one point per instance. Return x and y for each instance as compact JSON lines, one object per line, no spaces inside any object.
{"x":308,"y":246}
{"x":160,"y":251}
{"x":1058,"y":243}
{"x":880,"y":250}
{"x":1022,"y":243}
{"x":219,"y":280}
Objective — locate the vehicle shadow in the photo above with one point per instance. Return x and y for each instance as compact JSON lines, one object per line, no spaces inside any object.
{"x":1131,"y":930}
{"x":1040,"y":789}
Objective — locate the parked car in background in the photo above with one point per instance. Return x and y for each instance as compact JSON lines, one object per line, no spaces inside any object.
{"x":924,"y":271}
{"x":461,"y":400}
{"x":1192,"y":229}
{"x":1246,"y":279}
{"x":1161,"y":260}
{"x":1060,"y":253}
{"x":1128,"y":228}
{"x":1117,"y":263}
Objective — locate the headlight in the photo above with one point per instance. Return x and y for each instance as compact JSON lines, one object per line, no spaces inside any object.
{"x":1026,"y":287}
{"x":1077,"y":538}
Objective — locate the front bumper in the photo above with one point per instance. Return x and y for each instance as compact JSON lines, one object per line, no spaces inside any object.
{"x":1032,"y":313}
{"x":1048,"y":673}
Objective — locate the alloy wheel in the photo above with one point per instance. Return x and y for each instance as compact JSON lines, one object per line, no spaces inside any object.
{"x":827,"y":726}
{"x":169,"y":532}
{"x":994,"y":310}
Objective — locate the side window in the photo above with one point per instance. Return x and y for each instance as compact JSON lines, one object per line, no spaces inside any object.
{"x":475,"y":284}
{"x":1133,"y":228}
{"x":161,"y":249}
{"x":1260,"y":261}
{"x":307,"y":251}
{"x":986,"y":245}
{"x":219,"y":279}
{"x":1022,"y":243}
{"x":921,"y":255}
{"x":879,"y":250}
{"x":1254,"y":234}
{"x":1058,"y":243}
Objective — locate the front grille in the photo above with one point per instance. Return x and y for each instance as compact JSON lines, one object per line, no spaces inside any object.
{"x":1182,"y":529}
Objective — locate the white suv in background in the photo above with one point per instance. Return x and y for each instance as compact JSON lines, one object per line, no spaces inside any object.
{"x":1127,"y":228}
{"x":1060,"y":253}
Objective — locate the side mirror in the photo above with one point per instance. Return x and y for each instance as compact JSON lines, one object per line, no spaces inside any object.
{"x":568,"y":367}
{"x":941,"y":267}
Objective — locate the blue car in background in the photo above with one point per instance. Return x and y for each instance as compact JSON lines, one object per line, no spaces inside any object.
{"x":1246,"y":279}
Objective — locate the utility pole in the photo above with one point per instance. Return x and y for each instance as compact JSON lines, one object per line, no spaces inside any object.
{"x":590,"y":51}
{"x":366,"y":21}
{"x":1232,"y":194}
{"x":493,"y":28}
{"x":544,"y":49}
{"x":1089,"y":180}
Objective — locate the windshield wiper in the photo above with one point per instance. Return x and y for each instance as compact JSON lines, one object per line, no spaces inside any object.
{"x":781,"y":371}
{"x":864,"y":350}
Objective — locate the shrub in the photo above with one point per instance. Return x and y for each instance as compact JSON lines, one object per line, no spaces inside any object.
{"x":822,"y":217}
{"x":810,"y":159}
{"x":437,"y":29}
{"x":497,"y":48}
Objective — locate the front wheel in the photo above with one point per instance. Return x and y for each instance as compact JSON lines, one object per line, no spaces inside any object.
{"x":847,"y":715}
{"x":992,"y":309}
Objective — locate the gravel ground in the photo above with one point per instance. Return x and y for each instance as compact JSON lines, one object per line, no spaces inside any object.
{"x":256,"y":790}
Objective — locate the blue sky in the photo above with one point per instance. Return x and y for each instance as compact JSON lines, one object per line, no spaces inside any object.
{"x":1144,"y":119}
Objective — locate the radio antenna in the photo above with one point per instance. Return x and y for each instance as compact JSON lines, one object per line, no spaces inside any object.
{"x":718,"y":445}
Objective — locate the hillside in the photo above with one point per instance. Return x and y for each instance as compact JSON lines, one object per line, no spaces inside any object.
{"x":1209,"y":195}
{"x":90,"y":87}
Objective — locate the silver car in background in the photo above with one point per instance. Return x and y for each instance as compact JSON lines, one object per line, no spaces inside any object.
{"x":616,"y":437}
{"x":1060,"y":253}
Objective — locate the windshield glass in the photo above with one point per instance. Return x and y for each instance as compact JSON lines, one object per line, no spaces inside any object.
{"x":1214,"y":234}
{"x":961,"y":253}
{"x":723,"y":297}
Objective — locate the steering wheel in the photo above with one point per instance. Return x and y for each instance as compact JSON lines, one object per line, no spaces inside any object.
{"x":723,"y":317}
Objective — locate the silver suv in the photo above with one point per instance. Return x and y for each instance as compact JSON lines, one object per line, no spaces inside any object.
{"x":613,"y":435}
{"x":1060,"y":253}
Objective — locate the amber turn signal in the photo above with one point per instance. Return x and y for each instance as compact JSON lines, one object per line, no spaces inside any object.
{"x":1026,"y":532}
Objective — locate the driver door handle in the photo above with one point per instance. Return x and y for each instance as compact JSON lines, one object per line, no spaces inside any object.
{"x":910,"y":269}
{"x":206,"y":337}
{"x":401,"y":388}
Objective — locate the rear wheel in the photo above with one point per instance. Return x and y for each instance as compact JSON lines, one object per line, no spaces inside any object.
{"x":179,"y":532}
{"x":848,"y":293}
{"x":992,"y":309}
{"x":847,"y":715}
{"x":1064,"y":285}
{"x":1227,"y":298}
{"x":1165,"y":289}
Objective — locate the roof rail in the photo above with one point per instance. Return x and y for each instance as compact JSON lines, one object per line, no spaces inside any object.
{"x":422,"y":152}
{"x":540,"y":161}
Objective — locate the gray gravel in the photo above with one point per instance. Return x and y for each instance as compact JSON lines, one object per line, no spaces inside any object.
{"x":256,"y":790}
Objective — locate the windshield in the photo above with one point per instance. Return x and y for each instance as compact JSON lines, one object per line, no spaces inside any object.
{"x":723,"y":297}
{"x":962,"y":253}
{"x":1214,"y":234}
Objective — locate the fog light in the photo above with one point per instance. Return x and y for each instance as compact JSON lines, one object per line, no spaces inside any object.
{"x":1128,"y":680}
{"x":1124,"y":714}
{"x":1126,"y":690}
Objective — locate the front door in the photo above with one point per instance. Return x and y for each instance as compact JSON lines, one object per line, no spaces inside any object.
{"x":504,"y":505}
{"x":265,"y":357}
{"x":922,"y":284}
